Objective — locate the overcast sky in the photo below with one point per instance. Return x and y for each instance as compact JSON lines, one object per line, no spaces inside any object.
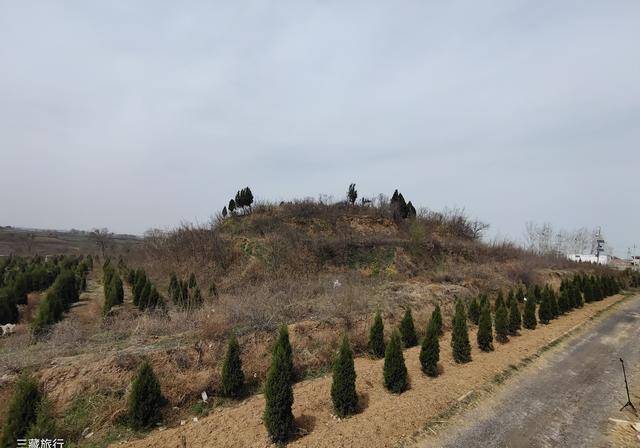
{"x":139,"y":114}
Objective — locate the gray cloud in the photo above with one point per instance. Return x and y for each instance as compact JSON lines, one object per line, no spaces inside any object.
{"x":140,"y":114}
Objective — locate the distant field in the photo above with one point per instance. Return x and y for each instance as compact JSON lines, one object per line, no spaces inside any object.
{"x":44,"y":242}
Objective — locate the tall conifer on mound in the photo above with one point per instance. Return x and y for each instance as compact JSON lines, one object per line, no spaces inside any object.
{"x":515,"y":320}
{"x":343,"y":387}
{"x":22,"y":411}
{"x":436,"y":317}
{"x":502,"y":324}
{"x":474,"y":311}
{"x":232,"y":374}
{"x":529,"y":316}
{"x":395,"y":371}
{"x":278,"y":390}
{"x":376,"y":336}
{"x":430,"y":351}
{"x":485,"y":330}
{"x":460,"y":337}
{"x":145,"y":399}
{"x":408,"y":330}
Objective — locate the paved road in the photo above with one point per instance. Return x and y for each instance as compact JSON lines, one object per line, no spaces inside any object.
{"x":565,"y":398}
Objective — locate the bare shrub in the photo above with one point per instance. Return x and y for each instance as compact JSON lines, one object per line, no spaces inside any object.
{"x":68,"y":333}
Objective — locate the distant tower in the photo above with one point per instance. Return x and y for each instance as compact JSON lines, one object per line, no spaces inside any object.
{"x":599,"y":243}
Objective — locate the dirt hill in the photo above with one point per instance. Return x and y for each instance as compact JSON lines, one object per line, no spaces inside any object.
{"x":322,"y":269}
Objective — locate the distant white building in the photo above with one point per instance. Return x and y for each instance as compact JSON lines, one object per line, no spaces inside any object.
{"x":590,"y":258}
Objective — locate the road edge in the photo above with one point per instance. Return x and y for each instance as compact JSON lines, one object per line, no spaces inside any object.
{"x":490,"y":388}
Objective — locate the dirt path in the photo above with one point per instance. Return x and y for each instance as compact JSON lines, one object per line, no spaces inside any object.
{"x":386,"y":420}
{"x":564,"y":399}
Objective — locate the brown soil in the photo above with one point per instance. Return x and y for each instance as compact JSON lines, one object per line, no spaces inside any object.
{"x":386,"y":419}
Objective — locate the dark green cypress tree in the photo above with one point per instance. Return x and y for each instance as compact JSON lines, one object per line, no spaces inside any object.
{"x":499,"y":301}
{"x":537,"y":293}
{"x":544,"y":311}
{"x":460,"y":337}
{"x":520,"y":294}
{"x":510,"y":298}
{"x":192,"y":281}
{"x":474,"y":311}
{"x":173,"y":285}
{"x":145,"y":400}
{"x":588,"y":290}
{"x":485,"y":330}
{"x":408,"y":330}
{"x":515,"y":320}
{"x":45,"y":426}
{"x":376,"y":336}
{"x":576,"y":296}
{"x":502,"y":324}
{"x":343,"y":386}
{"x":278,"y":391}
{"x":553,"y":302}
{"x":563,"y":302}
{"x":232,"y":374}
{"x":138,"y":286}
{"x":22,"y":411}
{"x":395,"y":370}
{"x":436,"y":316}
{"x":196,"y":298}
{"x":529,"y":320}
{"x":484,"y":301}
{"x":430,"y":350}
{"x":145,"y":294}
{"x":9,"y":313}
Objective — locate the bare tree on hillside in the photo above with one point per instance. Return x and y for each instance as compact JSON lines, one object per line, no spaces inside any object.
{"x":103,"y":239}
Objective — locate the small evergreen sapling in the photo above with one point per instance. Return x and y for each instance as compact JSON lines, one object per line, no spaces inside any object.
{"x":544,"y":311}
{"x":376,"y":336}
{"x":408,"y":330}
{"x":22,"y":411}
{"x":278,"y":390}
{"x":45,"y":426}
{"x":232,"y":374}
{"x":343,"y":386}
{"x":502,"y":324}
{"x":395,"y":370}
{"x":515,"y":320}
{"x":436,"y":317}
{"x":529,"y":316}
{"x":499,"y":301}
{"x":145,"y":399}
{"x":430,"y":351}
{"x":485,"y":330}
{"x":460,"y":337}
{"x":474,"y":311}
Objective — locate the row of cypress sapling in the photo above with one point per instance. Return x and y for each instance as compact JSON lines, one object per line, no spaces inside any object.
{"x":185,"y":294}
{"x":112,"y":285}
{"x":64,"y":292}
{"x":145,"y":400}
{"x":278,"y":416}
{"x":144,"y":292}
{"x":19,"y":276}
{"x":508,"y":320}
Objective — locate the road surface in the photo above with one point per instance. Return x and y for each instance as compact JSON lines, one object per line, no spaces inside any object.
{"x":565,"y":398}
